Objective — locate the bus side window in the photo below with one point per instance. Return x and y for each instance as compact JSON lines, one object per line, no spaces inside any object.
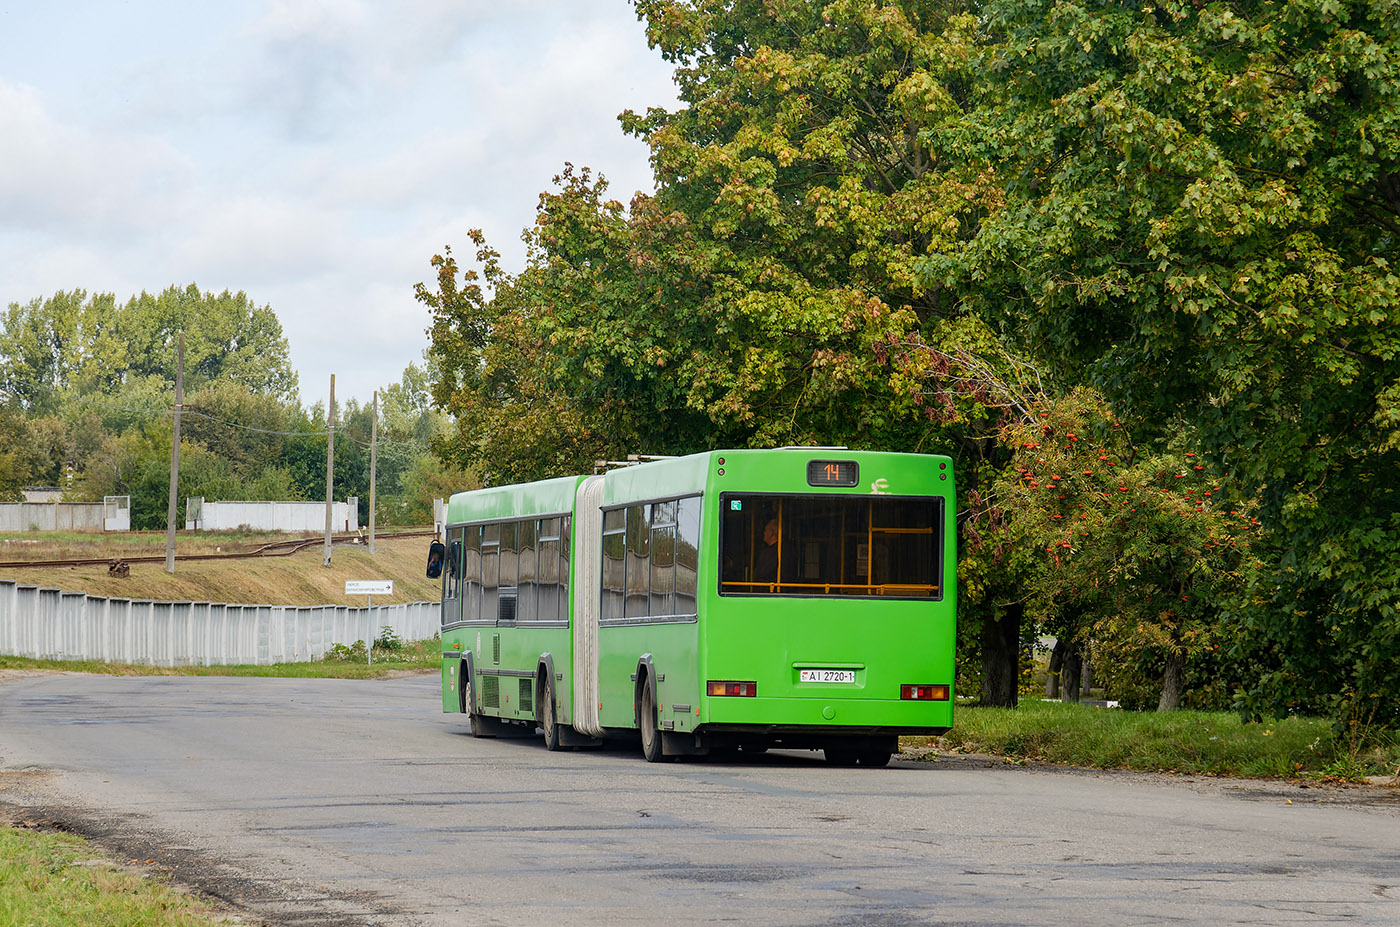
{"x":564,"y":526}
{"x":451,"y":581}
{"x":471,"y":574}
{"x":638,"y":603}
{"x":687,"y":555}
{"x":614,"y":550}
{"x":663,"y":559}
{"x":490,"y":570}
{"x":528,"y":563}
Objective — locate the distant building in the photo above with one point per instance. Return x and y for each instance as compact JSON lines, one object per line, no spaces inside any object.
{"x":42,"y":493}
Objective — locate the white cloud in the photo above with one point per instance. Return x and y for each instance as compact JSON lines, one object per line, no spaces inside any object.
{"x":57,"y":176}
{"x":314,"y":154}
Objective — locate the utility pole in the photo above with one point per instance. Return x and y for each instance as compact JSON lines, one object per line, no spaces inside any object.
{"x":175,"y":460}
{"x":373,"y":446}
{"x":330,"y":469}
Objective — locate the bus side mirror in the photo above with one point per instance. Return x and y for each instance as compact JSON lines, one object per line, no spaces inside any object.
{"x":435,"y":552}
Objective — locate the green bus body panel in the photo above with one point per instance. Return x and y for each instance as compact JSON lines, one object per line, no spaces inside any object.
{"x":766,"y":640}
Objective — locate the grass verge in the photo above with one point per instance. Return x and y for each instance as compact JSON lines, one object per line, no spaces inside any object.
{"x":343,"y":663}
{"x":55,"y":880}
{"x":1192,"y":742}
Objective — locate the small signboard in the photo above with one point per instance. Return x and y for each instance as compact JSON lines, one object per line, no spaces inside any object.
{"x":369,"y":587}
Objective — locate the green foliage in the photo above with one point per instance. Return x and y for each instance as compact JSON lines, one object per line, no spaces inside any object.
{"x":1191,"y":208}
{"x":1201,"y":218}
{"x":425,"y":480}
{"x":388,"y":640}
{"x":1141,"y":551}
{"x":71,"y":345}
{"x":236,"y":423}
{"x":346,"y":653}
{"x":15,"y":440}
{"x":741,"y":303}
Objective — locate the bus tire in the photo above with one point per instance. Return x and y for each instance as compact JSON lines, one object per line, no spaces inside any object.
{"x":875,"y":756}
{"x":651,"y":737}
{"x":549,"y":717}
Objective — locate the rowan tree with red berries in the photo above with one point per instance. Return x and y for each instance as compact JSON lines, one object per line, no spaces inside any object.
{"x":1139,"y":548}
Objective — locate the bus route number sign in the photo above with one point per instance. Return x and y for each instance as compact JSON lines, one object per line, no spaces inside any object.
{"x":833,"y":473}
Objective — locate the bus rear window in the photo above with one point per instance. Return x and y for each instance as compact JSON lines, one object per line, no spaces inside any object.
{"x":831,"y":546}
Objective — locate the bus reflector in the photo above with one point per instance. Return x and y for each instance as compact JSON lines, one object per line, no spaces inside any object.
{"x":746,"y":689}
{"x":924,"y":693}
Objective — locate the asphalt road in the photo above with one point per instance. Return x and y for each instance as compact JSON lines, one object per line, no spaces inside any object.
{"x":345,"y":802}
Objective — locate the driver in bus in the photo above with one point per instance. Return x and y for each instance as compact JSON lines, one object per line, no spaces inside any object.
{"x":765,"y":568}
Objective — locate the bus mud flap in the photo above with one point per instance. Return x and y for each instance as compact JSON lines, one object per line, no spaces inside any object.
{"x":568,"y":737}
{"x":682,"y":743}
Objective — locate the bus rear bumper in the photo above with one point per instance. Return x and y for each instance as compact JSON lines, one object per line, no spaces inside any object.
{"x":802,"y":736}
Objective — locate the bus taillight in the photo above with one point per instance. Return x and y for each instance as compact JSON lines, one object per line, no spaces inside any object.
{"x":745,"y":689}
{"x":924,"y":693}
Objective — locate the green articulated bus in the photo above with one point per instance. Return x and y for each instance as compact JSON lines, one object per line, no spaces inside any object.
{"x":731,"y":600}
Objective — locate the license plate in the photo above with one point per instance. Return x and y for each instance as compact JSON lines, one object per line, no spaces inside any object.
{"x":824,"y":675}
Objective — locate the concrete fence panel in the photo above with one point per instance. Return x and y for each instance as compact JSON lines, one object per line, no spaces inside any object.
{"x":203,"y":515}
{"x":52,"y":624}
{"x":60,"y":516}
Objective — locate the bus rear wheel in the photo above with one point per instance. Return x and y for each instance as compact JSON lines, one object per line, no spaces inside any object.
{"x":549,"y":718}
{"x":651,"y":737}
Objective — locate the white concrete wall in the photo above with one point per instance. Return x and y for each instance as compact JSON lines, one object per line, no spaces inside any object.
{"x":272,"y":516}
{"x":52,"y":516}
{"x":51,"y":624}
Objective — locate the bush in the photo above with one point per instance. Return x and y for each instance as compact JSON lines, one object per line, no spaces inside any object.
{"x":340,"y":653}
{"x":389,"y":640}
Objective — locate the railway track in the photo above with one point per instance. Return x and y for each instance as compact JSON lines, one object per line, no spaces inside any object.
{"x":272,"y":549}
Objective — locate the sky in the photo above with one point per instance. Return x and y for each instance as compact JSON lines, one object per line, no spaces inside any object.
{"x":314,"y":154}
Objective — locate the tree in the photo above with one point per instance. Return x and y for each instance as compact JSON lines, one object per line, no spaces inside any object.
{"x":1201,"y":219}
{"x":514,"y":419}
{"x":739,"y":304}
{"x":137,"y":464}
{"x":13,"y":466}
{"x":241,"y":426}
{"x":227,"y":338}
{"x":39,"y":348}
{"x":71,"y":345}
{"x":1142,"y":552}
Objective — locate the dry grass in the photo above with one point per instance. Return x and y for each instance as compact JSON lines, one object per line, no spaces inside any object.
{"x":299,"y":579}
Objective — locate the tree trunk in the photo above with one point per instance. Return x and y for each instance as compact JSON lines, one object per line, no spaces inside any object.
{"x":1086,"y":680}
{"x":1057,"y":664}
{"x":1173,"y":682}
{"x":1069,"y":676}
{"x":1001,"y":650}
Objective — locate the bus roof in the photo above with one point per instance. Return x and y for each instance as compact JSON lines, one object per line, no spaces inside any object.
{"x":544,"y":497}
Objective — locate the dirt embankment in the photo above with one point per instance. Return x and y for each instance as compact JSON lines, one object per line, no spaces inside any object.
{"x":298,"y":579}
